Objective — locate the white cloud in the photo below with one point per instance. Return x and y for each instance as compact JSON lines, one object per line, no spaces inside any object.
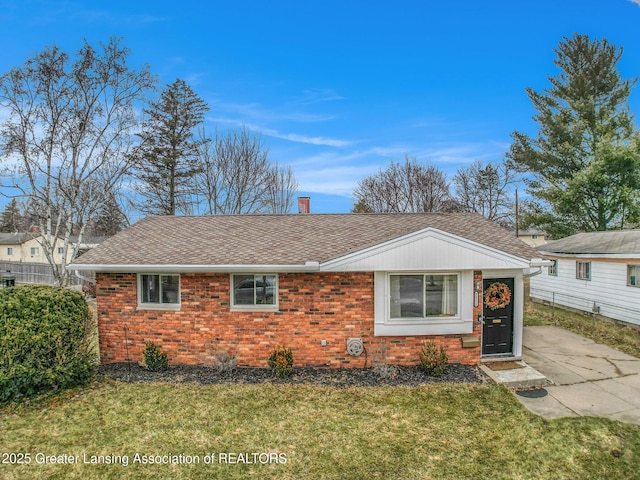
{"x":636,"y":1}
{"x":292,"y":137}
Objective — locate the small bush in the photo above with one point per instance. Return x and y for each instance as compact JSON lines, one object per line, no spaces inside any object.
{"x":384,"y":370}
{"x":281,"y":361}
{"x":433,"y":359}
{"x":44,"y":341}
{"x":225,"y":362}
{"x":155,"y":360}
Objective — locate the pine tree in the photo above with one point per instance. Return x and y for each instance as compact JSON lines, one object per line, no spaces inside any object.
{"x":584,"y":165}
{"x":11,"y":220}
{"x":168,"y":159}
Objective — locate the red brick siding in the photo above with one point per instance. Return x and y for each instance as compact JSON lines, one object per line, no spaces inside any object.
{"x":312,"y":307}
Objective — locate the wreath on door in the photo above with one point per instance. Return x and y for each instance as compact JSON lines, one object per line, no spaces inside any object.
{"x":498,"y":295}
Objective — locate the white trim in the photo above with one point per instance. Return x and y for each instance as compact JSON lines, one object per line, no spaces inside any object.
{"x":255,"y":307}
{"x":342,"y":263}
{"x":598,"y":256}
{"x":385,"y":326}
{"x":158,"y":306}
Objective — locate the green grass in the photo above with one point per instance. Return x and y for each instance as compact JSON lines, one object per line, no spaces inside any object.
{"x":622,"y":337}
{"x":432,"y":431}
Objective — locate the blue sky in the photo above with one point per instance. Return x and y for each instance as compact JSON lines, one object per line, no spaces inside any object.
{"x":338,"y":89}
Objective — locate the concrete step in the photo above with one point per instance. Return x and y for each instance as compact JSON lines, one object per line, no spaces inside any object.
{"x":522,"y":377}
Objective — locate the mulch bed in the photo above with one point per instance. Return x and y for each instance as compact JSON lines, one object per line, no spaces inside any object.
{"x":340,"y":377}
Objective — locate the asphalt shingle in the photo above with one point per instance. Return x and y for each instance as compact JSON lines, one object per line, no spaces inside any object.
{"x":283,"y":239}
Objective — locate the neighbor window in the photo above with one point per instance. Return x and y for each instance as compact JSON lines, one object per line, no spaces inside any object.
{"x":159,"y":290}
{"x":633,"y":271}
{"x":9,"y":251}
{"x":60,"y":250}
{"x":553,"y":269}
{"x":423,"y":296}
{"x":34,"y":251}
{"x":258,"y":291}
{"x":583,"y":270}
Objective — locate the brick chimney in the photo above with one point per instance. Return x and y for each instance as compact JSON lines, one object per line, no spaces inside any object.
{"x":304,"y":204}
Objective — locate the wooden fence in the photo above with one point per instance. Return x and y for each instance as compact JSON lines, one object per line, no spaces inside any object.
{"x":38,"y":273}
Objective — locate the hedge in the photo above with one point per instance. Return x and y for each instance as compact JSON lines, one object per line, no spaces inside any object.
{"x":44,"y":342}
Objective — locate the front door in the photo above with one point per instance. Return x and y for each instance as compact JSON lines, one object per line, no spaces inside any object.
{"x":497,"y":331}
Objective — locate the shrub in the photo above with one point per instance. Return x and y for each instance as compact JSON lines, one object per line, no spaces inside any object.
{"x":44,"y":341}
{"x":281,"y":361}
{"x":155,"y":359}
{"x":433,"y":359}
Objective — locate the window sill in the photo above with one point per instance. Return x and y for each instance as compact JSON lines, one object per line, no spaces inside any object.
{"x":169,"y":307}
{"x":442,"y":326}
{"x":254,"y":308}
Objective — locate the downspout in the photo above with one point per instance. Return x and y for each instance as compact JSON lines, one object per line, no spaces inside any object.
{"x":537,"y":263}
{"x":92,"y":281}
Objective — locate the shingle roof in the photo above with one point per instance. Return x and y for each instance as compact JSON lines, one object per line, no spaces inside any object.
{"x":14,"y":238}
{"x":282,"y":239}
{"x":612,"y":242}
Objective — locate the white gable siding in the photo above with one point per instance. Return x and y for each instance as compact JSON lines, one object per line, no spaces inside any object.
{"x":430,"y":250}
{"x":607,"y":289}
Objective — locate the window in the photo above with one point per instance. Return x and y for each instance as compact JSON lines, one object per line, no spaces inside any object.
{"x":34,"y":251}
{"x":534,"y":237}
{"x":9,"y":251}
{"x":553,"y":269}
{"x":583,"y":270}
{"x":255,"y":292}
{"x":633,"y":274}
{"x":60,"y":250}
{"x":423,"y":296}
{"x":159,"y":290}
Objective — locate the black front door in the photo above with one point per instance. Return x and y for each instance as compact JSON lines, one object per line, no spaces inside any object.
{"x":497,"y":331}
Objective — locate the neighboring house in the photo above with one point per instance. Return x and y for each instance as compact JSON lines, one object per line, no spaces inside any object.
{"x":533,"y":238}
{"x":339,"y":289}
{"x":597,"y":272}
{"x":27,"y":248}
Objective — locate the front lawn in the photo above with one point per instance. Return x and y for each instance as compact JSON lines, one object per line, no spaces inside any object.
{"x":614,"y":334}
{"x":432,"y":431}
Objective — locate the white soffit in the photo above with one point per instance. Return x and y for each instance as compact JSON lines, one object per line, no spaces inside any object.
{"x":428,"y":249}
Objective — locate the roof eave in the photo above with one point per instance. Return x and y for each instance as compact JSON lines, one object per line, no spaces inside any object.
{"x":128,"y":268}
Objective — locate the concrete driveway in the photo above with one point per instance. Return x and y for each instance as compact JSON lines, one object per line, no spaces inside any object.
{"x":589,"y":379}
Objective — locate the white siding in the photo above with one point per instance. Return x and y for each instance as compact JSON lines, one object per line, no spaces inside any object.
{"x":607,"y":289}
{"x":428,"y":250}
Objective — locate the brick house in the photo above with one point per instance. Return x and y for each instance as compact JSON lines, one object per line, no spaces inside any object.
{"x":339,"y":289}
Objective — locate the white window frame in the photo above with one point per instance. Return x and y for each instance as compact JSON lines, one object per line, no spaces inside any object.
{"x":553,"y":269}
{"x":384,"y":325}
{"x":9,"y":251}
{"x":636,"y":275}
{"x":583,"y":273}
{"x":60,"y":250}
{"x":424,"y":318}
{"x":34,"y":251}
{"x":255,"y":307}
{"x":159,"y":305}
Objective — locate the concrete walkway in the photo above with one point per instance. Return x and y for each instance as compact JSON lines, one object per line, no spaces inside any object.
{"x":589,"y":379}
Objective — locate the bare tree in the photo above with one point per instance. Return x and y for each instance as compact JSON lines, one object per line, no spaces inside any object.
{"x":487,"y":190}
{"x":68,"y":137}
{"x":404,"y":187}
{"x":237,"y":176}
{"x":281,"y":189}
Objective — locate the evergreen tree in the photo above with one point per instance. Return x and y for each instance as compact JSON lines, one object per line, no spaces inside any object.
{"x":11,"y":220}
{"x":167,"y":163}
{"x":584,"y":165}
{"x":109,"y":220}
